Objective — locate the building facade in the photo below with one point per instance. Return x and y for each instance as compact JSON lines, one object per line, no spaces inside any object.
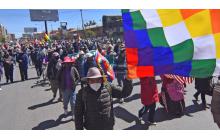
{"x":3,"y":33}
{"x":112,"y":26}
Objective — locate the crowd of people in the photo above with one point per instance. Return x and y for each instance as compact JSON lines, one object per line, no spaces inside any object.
{"x":69,"y":63}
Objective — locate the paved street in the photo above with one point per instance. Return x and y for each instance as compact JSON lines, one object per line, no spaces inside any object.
{"x":23,"y":107}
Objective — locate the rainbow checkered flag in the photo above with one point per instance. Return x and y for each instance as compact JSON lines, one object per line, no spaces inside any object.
{"x":104,"y":65}
{"x":178,"y":42}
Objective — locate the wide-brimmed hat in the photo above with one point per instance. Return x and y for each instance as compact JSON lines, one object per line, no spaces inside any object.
{"x":93,"y":72}
{"x":55,"y":54}
{"x":89,"y":55}
{"x":67,"y":59}
{"x":81,"y":53}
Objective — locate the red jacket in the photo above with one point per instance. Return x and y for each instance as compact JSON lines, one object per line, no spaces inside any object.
{"x":149,"y":92}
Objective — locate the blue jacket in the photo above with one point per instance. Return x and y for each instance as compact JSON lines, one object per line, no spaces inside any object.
{"x":24,"y":58}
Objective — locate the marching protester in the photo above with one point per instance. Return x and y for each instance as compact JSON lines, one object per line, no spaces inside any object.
{"x":80,"y":62}
{"x":89,"y":62}
{"x":1,"y":67}
{"x":39,"y":61}
{"x":80,"y":65}
{"x":172,"y":96}
{"x":94,"y":105}
{"x":110,"y":55}
{"x":33,"y":56}
{"x":14,"y":55}
{"x":68,"y":78}
{"x":8,"y":67}
{"x":22,"y":60}
{"x":77,"y":44}
{"x":149,"y":98}
{"x":54,"y":66}
{"x":215,"y":104}
{"x":203,"y":87}
{"x":120,"y":68}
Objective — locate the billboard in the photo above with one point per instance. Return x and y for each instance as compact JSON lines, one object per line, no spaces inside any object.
{"x":63,"y":25}
{"x":26,"y":35}
{"x":44,"y":15}
{"x":30,"y":29}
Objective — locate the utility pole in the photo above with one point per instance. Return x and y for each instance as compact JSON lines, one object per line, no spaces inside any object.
{"x":82,"y":22}
{"x":45,"y":24}
{"x":82,"y":19}
{"x":51,"y":27}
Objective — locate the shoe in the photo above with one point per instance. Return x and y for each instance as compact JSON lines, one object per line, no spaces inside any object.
{"x":65,"y":112}
{"x":204,"y":106}
{"x":0,"y":89}
{"x":141,"y":120}
{"x":196,"y":97}
{"x":151,"y":123}
{"x":121,"y":100}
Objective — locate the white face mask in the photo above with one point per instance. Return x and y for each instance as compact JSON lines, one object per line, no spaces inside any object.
{"x":95,"y":86}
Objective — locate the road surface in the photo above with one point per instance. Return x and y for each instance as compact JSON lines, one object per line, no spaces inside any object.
{"x":26,"y":108}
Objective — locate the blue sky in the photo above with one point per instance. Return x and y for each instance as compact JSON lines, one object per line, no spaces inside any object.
{"x":16,"y":20}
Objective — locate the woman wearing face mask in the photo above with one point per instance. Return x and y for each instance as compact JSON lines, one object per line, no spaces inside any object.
{"x":94,"y":106}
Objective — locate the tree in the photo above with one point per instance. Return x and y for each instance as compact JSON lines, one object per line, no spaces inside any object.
{"x":2,"y":39}
{"x":89,"y":33}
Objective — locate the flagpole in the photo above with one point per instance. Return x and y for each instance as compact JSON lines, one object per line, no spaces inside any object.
{"x":45,"y":24}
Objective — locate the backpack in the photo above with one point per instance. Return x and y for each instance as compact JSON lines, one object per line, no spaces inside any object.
{"x":175,"y":90}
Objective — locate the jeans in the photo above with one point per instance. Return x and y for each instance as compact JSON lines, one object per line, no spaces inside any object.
{"x":151,"y":109}
{"x":69,"y":96}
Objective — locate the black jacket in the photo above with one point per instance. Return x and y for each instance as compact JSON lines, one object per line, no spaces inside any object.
{"x":94,"y":110}
{"x":52,"y":69}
